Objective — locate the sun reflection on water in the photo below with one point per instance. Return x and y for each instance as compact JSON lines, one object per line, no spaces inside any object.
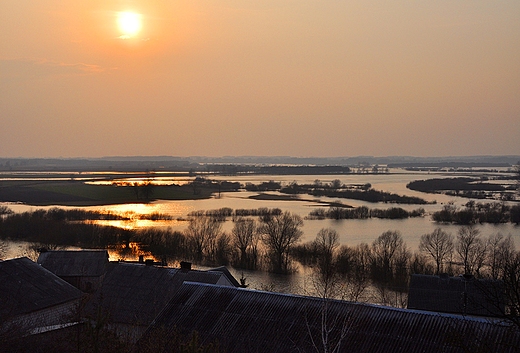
{"x":180,"y":181}
{"x":143,"y":223}
{"x":130,"y":252}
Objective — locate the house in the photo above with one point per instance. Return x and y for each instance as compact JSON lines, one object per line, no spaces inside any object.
{"x":228,"y":275}
{"x":241,"y":321}
{"x":33,"y":299}
{"x":132,"y":294}
{"x":464,"y":295}
{"x":84,"y":269}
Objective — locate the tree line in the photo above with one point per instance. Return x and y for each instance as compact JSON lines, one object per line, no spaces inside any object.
{"x":363,"y":192}
{"x":363,"y":212}
{"x":477,"y":188}
{"x":476,"y":212}
{"x":385,"y":265}
{"x":272,"y":242}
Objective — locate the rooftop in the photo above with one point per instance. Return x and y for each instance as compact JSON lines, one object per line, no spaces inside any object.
{"x":462,"y":295}
{"x":75,"y":263}
{"x":254,"y":321}
{"x":135,"y":293}
{"x":27,"y":287}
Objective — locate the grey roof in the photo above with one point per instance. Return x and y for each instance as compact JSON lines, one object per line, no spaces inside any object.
{"x":135,"y":294}
{"x":242,"y":320}
{"x":75,"y":263}
{"x":228,"y":275}
{"x":460,"y":295}
{"x":27,"y":287}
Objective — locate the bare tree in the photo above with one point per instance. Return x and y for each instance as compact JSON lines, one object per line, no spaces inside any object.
{"x":354,"y":265}
{"x":280,"y":233}
{"x":471,"y":249}
{"x":421,"y":264}
{"x":203,"y":232}
{"x":359,"y":279}
{"x":326,"y":243}
{"x":326,"y":279}
{"x":390,"y":259}
{"x":501,"y":251}
{"x":222,"y":249}
{"x":245,"y":238}
{"x":328,"y":285}
{"x":388,"y":251}
{"x":439,"y":245}
{"x":512,"y":285}
{"x":503,"y":296}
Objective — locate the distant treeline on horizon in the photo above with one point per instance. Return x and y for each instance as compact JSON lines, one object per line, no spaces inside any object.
{"x":199,"y":164}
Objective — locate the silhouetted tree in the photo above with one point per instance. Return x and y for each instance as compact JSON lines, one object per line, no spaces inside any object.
{"x":389,"y":254}
{"x":222,"y":250}
{"x":354,"y":264}
{"x":245,"y":238}
{"x":325,"y":272}
{"x":202,"y":232}
{"x":439,"y":245}
{"x":328,"y":285}
{"x":280,"y":233}
{"x":471,"y":249}
{"x":501,"y":251}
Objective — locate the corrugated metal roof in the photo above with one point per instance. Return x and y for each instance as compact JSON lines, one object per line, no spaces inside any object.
{"x":255,"y":321}
{"x":27,"y":287}
{"x":75,"y":263}
{"x":135,"y":294}
{"x":460,"y":295}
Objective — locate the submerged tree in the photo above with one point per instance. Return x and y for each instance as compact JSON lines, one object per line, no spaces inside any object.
{"x":471,"y":249}
{"x":501,"y":251}
{"x":326,"y":277}
{"x":245,"y":238}
{"x":389,"y":254}
{"x":202,"y":232}
{"x":439,"y":245}
{"x":279,"y":234}
{"x":390,"y":259}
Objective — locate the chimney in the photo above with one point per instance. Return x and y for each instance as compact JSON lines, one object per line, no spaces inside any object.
{"x":185,"y":266}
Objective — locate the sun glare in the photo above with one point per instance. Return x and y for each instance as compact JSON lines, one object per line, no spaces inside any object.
{"x":129,"y":24}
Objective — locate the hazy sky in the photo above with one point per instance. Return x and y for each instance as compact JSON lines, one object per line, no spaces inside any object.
{"x":263,"y":77}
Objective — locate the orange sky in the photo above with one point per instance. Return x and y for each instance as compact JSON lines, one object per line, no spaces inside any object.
{"x":238,"y":77}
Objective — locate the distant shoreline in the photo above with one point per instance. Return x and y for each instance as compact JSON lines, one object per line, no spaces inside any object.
{"x":77,"y":193}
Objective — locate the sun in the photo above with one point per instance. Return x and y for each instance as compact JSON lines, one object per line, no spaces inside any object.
{"x":129,"y":23}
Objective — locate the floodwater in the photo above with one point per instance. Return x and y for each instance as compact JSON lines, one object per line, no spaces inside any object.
{"x":352,"y":232}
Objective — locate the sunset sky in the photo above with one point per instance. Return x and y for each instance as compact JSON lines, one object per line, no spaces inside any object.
{"x":91,"y":78}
